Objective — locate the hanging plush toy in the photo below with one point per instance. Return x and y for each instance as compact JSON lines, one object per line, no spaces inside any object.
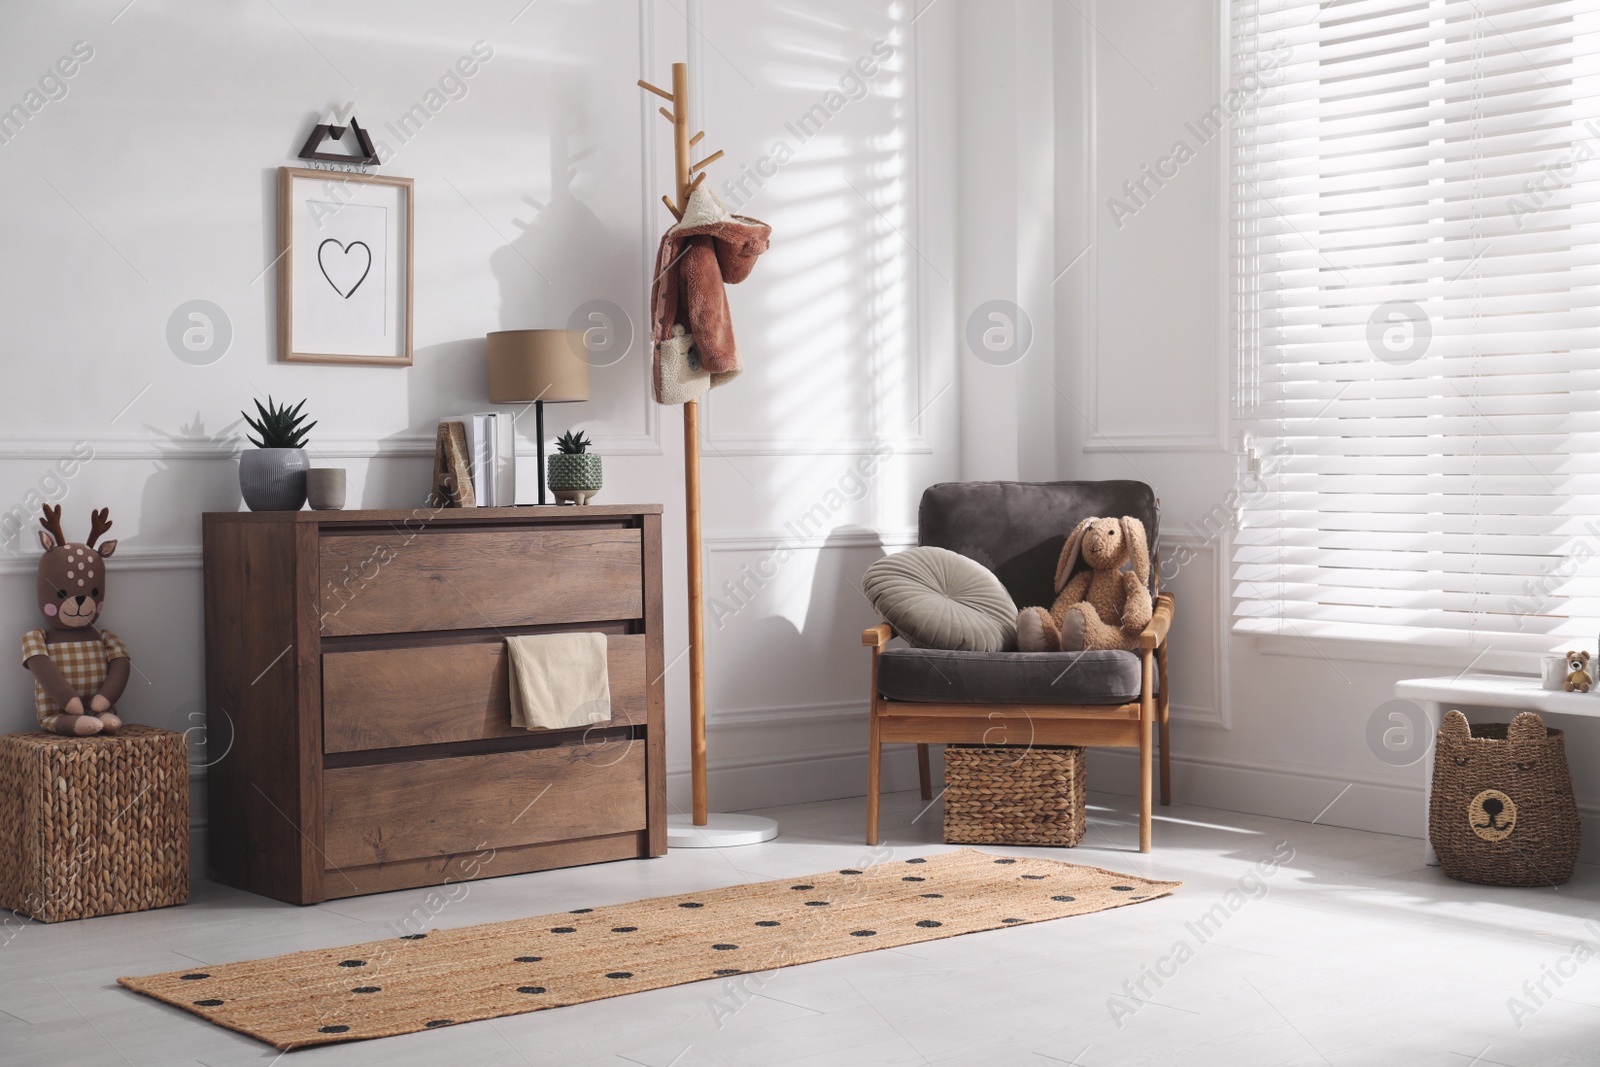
{"x":1099,"y":608}
{"x":79,"y":670}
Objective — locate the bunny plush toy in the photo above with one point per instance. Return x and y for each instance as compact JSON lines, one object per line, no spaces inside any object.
{"x":1103,"y":605}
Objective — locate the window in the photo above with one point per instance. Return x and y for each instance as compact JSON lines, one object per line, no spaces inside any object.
{"x":1416,"y":250}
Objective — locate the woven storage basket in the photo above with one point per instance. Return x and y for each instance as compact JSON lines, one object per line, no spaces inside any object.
{"x":93,"y":825}
{"x":1013,"y":796}
{"x":1502,"y":810}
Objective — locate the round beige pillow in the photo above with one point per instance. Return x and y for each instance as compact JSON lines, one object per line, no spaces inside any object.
{"x":936,"y":598}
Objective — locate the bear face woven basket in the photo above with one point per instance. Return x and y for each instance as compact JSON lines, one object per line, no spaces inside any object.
{"x":1502,"y":810}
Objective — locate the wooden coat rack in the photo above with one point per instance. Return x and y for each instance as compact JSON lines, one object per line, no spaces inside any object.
{"x":702,"y":831}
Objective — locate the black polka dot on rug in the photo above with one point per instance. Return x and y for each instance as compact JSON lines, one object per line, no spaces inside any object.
{"x":367,"y":989}
{"x":1122,"y":889}
{"x":917,"y":859}
{"x":207,"y":1003}
{"x":412,"y":937}
{"x":563,"y":929}
{"x":932,"y":896}
{"x":691,"y":904}
{"x":529,"y":959}
{"x":849,"y":870}
{"x":431,"y":1023}
{"x":1010,"y":920}
{"x":724,"y":948}
{"x":337,"y":1029}
{"x":727,"y":970}
{"x":624,"y":929}
{"x":1141,"y":896}
{"x":352,"y":963}
{"x":816,"y":903}
{"x":769,"y":922}
{"x":580,"y":911}
{"x":1005,"y":861}
{"x":863,"y":933}
{"x":1064,"y":899}
{"x":530,"y":989}
{"x":192,"y":977}
{"x":802,"y":887}
{"x":620,"y":974}
{"x":913,"y":878}
{"x":929,"y":924}
{"x":1034,"y":877}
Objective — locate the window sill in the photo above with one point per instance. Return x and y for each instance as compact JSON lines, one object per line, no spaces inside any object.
{"x":1347,"y":649}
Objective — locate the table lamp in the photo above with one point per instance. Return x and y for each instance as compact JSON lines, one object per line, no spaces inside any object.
{"x":538,"y":366}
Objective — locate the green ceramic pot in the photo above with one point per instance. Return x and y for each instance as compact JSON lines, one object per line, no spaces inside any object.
{"x":566,"y":472}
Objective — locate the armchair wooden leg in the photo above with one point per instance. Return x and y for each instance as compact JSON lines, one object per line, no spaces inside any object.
{"x":1162,"y":717}
{"x":1146,"y":721}
{"x":874,"y":772}
{"x":924,"y":772}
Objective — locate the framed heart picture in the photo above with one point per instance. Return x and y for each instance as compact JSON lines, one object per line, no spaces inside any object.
{"x":345,"y":267}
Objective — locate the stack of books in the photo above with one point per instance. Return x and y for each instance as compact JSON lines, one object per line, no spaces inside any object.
{"x":476,"y":460}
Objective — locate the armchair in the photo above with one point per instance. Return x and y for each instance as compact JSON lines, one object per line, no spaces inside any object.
{"x":1110,"y":698}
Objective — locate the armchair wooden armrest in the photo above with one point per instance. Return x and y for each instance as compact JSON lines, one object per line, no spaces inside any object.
{"x":877,"y":636}
{"x":1155,"y":635}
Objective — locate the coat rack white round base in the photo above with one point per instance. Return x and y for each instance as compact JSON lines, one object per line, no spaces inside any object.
{"x":720,"y":831}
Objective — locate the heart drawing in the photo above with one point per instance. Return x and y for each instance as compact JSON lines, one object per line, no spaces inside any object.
{"x":344,"y":266}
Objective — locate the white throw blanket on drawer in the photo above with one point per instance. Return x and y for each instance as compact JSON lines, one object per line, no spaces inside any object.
{"x":558,"y":680}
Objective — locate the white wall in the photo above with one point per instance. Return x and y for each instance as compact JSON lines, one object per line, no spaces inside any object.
{"x":1275,"y":727}
{"x":151,"y":183}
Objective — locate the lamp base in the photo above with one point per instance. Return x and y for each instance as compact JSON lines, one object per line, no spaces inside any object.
{"x":720,"y":831}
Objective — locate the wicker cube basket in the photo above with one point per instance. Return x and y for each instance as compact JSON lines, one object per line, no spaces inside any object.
{"x":1013,"y":796}
{"x":93,"y":826}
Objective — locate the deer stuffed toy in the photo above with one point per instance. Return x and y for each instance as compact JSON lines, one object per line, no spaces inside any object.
{"x":1103,"y":607}
{"x":78,"y":670}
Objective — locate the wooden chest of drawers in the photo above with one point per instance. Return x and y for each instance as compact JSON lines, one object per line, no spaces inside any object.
{"x":358,"y":723}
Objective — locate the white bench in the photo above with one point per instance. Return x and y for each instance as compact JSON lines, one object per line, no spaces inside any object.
{"x":1502,"y":693}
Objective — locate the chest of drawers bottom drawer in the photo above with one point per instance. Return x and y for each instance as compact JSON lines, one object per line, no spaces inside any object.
{"x":421,"y":809}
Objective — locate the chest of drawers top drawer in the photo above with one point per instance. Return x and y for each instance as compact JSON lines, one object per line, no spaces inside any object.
{"x":377,"y":581}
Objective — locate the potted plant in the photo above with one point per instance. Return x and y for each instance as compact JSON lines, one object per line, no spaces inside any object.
{"x":273,"y":477}
{"x":574,"y":471}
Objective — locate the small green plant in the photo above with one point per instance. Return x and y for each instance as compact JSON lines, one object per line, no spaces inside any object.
{"x":572,"y":444}
{"x":279,"y":426}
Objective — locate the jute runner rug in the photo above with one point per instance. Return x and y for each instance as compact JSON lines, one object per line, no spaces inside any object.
{"x":421,"y":981}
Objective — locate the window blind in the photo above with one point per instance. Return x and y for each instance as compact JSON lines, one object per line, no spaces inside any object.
{"x":1416,"y":262}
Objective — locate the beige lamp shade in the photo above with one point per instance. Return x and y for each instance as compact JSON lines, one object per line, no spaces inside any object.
{"x":544,"y":365}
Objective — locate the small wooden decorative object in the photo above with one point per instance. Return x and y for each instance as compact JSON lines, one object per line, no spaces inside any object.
{"x":1014,"y":795}
{"x":93,"y":825}
{"x":452,"y":473}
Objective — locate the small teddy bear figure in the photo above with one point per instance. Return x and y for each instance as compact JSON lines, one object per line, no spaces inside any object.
{"x":1103,"y":607}
{"x":1578,"y":679}
{"x":78,"y":670}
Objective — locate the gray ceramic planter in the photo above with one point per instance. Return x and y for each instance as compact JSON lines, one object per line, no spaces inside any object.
{"x":273,"y":479}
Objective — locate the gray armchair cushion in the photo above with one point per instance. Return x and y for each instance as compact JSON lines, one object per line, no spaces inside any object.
{"x":935,"y":676}
{"x":1017,"y":529}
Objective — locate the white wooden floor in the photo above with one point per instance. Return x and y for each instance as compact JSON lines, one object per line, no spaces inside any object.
{"x":1349,"y":952}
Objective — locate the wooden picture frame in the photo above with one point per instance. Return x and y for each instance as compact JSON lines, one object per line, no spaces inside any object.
{"x":339,"y":300}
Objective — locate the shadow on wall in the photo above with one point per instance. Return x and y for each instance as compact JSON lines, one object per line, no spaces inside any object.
{"x":816,"y":660}
{"x":565,"y":261}
{"x":186,"y":481}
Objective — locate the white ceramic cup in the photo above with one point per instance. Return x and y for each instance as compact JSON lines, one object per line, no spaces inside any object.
{"x":1554,"y":672}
